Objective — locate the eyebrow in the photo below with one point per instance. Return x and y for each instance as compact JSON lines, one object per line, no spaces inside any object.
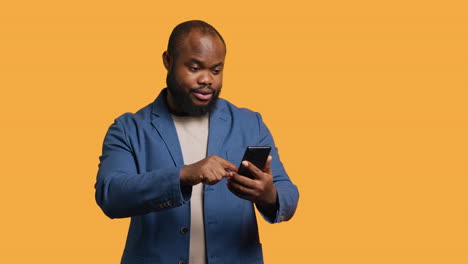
{"x":201,"y":63}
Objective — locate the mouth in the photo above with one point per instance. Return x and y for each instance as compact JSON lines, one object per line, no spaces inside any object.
{"x":203,"y":94}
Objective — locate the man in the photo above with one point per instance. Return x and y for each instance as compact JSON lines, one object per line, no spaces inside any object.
{"x":171,"y":167}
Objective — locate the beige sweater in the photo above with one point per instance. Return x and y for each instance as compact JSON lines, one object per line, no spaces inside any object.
{"x":193,"y":138}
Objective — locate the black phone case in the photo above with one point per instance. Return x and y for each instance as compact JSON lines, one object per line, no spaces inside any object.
{"x":255,"y":155}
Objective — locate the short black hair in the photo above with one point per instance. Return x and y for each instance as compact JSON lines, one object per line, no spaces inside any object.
{"x":184,"y":28}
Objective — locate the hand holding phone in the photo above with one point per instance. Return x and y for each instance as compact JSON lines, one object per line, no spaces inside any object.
{"x":263,"y":193}
{"x":257,"y":156}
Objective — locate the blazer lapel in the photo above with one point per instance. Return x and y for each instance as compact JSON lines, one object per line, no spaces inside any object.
{"x":162,"y":121}
{"x":164,"y":124}
{"x":219,"y":127}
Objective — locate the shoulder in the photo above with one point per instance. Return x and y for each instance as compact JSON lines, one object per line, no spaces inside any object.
{"x":238,"y":112}
{"x":243,"y":118}
{"x":130,"y":121}
{"x":247,"y":125}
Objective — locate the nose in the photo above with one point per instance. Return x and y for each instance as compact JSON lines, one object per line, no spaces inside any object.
{"x":205,"y":78}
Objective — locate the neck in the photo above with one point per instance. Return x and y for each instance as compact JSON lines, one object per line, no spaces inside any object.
{"x":173,"y":108}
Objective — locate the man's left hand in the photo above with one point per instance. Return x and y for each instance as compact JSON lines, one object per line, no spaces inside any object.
{"x":260,"y":189}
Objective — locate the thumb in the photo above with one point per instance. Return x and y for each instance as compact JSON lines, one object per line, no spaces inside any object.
{"x":267,"y":168}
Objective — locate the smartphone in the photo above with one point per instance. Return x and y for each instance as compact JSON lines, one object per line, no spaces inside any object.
{"x":255,"y":155}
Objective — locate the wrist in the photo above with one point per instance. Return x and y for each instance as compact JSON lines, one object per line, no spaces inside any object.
{"x":268,"y":209}
{"x":270,"y":201}
{"x":184,"y":179}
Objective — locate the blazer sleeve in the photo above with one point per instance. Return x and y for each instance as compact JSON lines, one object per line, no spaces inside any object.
{"x":122,"y":192}
{"x":288,"y":194}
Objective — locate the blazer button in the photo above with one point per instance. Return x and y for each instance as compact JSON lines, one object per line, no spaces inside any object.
{"x":183,"y":231}
{"x":181,"y":262}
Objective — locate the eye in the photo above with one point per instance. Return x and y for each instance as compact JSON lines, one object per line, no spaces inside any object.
{"x":193,"y":68}
{"x":216,"y":71}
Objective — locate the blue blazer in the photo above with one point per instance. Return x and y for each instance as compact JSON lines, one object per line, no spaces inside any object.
{"x":138,"y":177}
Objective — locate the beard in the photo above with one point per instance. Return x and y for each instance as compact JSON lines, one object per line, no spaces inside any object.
{"x":184,"y":103}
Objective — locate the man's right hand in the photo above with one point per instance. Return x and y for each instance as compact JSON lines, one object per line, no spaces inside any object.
{"x":209,"y":170}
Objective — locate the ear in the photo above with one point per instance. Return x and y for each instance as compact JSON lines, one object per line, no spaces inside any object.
{"x":167,"y":60}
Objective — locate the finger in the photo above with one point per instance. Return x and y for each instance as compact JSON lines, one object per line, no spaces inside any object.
{"x":228,"y":165}
{"x":223,"y":173}
{"x":217,"y":166}
{"x":242,"y":180}
{"x":228,"y":174}
{"x":267,"y":168}
{"x":241,"y":191}
{"x":235,"y":192}
{"x":256,"y":172}
{"x":212,"y":177}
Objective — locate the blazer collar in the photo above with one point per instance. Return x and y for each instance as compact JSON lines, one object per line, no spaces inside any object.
{"x":220,"y":125}
{"x":162,"y":121}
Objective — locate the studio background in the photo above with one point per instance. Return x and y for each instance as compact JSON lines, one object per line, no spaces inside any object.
{"x":366,"y":100}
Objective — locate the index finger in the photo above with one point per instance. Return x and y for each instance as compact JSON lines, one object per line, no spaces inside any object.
{"x":228,"y":165}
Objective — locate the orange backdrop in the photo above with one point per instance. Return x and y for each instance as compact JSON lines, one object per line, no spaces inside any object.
{"x":367,"y":101}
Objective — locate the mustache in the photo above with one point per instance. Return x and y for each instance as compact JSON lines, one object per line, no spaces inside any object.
{"x":203,"y":89}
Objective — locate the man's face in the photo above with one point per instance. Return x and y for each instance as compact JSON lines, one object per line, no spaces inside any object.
{"x":195,"y":75}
